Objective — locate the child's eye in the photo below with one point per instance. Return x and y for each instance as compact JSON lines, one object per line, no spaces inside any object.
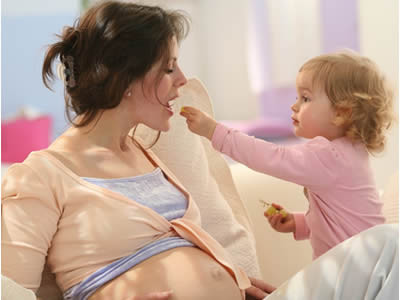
{"x":305,"y":99}
{"x":169,"y":71}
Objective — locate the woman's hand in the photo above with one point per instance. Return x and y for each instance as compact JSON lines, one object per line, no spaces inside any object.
{"x":259,"y":289}
{"x":153,"y":296}
{"x":279,"y":222}
{"x":199,"y":122}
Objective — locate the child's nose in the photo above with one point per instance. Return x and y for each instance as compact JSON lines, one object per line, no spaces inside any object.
{"x":294,"y":106}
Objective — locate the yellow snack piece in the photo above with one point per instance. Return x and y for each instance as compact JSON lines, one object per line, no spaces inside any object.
{"x":182,"y":109}
{"x":283,"y":213}
{"x":271,"y":211}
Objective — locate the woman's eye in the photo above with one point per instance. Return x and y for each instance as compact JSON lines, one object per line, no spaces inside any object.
{"x":169,"y":71}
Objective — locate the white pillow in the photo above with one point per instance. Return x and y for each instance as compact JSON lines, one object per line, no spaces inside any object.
{"x":207,"y":176}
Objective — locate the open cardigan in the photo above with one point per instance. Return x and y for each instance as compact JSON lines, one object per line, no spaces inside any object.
{"x":50,"y":213}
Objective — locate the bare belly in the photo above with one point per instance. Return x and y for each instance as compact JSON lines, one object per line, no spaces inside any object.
{"x":188,"y":272}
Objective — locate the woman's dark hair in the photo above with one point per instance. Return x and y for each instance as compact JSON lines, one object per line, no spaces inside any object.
{"x":113,"y":44}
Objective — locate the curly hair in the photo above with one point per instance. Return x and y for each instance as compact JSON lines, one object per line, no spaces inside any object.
{"x":113,"y":44}
{"x":359,"y":91}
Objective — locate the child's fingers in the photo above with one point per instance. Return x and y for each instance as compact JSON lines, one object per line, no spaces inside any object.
{"x":186,"y":115}
{"x":274,"y":220}
{"x":277,"y":206}
{"x":269,"y":218}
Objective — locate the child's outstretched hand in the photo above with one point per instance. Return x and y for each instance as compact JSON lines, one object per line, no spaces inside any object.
{"x":198,"y":121}
{"x":280,"y":222}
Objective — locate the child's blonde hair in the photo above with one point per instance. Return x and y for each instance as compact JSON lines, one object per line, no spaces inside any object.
{"x":357,"y":90}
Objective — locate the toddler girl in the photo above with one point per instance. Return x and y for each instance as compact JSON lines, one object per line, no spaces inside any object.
{"x":343,"y":107}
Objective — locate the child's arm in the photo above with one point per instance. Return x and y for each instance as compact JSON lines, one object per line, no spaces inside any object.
{"x":310,"y":164}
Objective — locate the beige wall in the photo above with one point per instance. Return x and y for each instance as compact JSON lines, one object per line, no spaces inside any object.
{"x":379,"y":38}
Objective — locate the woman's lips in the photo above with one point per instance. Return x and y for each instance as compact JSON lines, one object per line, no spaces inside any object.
{"x":170,"y":106}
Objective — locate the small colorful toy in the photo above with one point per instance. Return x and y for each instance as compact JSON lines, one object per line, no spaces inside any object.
{"x":271,"y":210}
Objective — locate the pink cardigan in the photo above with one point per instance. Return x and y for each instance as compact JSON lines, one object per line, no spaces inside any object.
{"x":343,"y":199}
{"x":47,"y":210}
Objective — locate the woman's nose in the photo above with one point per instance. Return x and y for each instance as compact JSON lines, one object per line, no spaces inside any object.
{"x":181,"y":80}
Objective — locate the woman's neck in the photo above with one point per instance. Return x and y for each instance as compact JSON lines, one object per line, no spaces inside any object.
{"x":107,"y":131}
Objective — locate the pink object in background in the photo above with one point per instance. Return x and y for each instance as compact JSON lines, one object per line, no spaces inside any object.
{"x":21,"y":136}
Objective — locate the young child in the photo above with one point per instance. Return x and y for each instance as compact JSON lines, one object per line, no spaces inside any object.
{"x":343,"y":107}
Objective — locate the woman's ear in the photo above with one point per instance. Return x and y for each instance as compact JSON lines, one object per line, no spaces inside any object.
{"x":129,"y":90}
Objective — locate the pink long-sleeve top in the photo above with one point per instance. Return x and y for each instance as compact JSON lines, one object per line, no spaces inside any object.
{"x":343,"y":199}
{"x":47,"y":210}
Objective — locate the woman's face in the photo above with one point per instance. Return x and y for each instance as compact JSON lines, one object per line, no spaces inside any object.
{"x":153,"y":106}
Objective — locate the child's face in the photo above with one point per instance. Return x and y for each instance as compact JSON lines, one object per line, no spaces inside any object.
{"x":313,"y":113}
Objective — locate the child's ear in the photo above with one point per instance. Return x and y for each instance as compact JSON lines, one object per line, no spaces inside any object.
{"x":343,"y":117}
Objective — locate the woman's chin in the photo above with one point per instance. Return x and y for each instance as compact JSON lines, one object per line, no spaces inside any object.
{"x":164,"y":128}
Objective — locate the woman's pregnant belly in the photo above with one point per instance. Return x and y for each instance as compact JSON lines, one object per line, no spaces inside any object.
{"x":189,"y":272}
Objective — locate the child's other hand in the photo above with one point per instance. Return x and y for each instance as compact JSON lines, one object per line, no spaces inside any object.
{"x":198,"y":121}
{"x":279,"y":222}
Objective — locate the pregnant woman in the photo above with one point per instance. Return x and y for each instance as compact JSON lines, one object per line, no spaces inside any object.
{"x":110,"y":220}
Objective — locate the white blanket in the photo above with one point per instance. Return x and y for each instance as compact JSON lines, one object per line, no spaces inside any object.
{"x":364,"y":267}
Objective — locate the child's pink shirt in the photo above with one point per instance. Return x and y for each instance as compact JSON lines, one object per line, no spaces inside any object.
{"x":343,"y":199}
